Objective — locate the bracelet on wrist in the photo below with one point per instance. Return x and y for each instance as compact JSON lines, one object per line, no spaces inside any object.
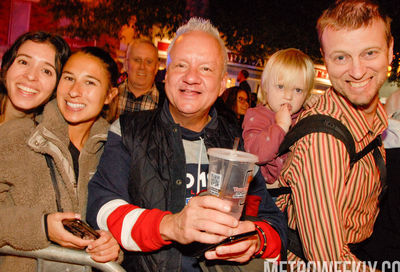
{"x":263,"y":242}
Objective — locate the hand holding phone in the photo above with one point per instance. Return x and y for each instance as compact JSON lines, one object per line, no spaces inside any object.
{"x":230,"y":240}
{"x":81,"y":229}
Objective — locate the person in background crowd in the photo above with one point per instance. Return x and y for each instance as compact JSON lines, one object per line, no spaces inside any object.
{"x":30,"y":70}
{"x":242,"y":79}
{"x":139,"y":91}
{"x":384,"y":243}
{"x":253,"y":100}
{"x":287,"y":80}
{"x":235,"y":106}
{"x":333,"y":206}
{"x":68,"y":138}
{"x":391,"y":137}
{"x":155,"y":163}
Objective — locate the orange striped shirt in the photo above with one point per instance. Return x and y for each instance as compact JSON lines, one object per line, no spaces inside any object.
{"x":332,"y":205}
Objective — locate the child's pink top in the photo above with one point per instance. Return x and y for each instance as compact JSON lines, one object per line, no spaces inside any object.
{"x":262,"y":137}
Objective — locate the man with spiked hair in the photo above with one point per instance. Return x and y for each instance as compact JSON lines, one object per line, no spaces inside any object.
{"x":155,"y":164}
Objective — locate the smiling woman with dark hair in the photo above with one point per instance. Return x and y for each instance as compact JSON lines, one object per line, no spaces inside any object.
{"x":30,"y":70}
{"x":60,"y":151}
{"x":236,"y":105}
{"x":238,"y":101}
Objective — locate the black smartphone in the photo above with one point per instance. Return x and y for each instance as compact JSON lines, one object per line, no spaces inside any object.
{"x":81,"y":229}
{"x":231,"y":239}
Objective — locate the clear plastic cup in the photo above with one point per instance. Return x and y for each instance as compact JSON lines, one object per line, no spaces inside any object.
{"x":229,"y":174}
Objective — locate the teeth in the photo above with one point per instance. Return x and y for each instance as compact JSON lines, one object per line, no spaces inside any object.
{"x":75,"y":105}
{"x":359,"y":84}
{"x":27,"y":89}
{"x":189,"y":91}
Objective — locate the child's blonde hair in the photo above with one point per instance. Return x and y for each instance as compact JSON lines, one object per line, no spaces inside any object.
{"x":286,"y":65}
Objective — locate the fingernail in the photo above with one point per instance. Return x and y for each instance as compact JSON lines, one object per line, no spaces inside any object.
{"x":227,"y":208}
{"x":89,"y":246}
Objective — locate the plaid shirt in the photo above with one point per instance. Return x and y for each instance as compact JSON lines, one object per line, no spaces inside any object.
{"x":127,"y":102}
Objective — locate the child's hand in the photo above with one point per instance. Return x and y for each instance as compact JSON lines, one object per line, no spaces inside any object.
{"x":283,"y":118}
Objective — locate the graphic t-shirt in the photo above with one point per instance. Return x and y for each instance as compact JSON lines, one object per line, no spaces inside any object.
{"x":196,"y":178}
{"x":196,"y":166}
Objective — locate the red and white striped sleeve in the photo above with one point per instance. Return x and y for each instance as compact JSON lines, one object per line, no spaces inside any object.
{"x":135,"y":229}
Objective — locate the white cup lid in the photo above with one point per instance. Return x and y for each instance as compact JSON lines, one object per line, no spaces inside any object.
{"x":232,"y":155}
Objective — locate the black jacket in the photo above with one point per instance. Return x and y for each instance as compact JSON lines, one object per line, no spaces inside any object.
{"x":384,"y":243}
{"x":158,"y":169}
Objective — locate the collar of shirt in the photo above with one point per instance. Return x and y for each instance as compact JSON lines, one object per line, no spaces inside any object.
{"x":127,"y":102}
{"x":355,"y":119}
{"x":152,"y":93}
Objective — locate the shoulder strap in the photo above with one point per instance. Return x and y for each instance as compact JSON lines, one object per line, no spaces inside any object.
{"x":380,"y":163}
{"x":54,"y":181}
{"x":314,"y":124}
{"x":371,"y":146}
{"x":318,"y":123}
{"x":326,"y":124}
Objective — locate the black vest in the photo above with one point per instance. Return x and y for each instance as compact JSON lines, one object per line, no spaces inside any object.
{"x":158,"y":173}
